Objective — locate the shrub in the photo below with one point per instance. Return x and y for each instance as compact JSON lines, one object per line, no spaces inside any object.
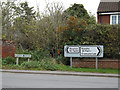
{"x":63,"y":60}
{"x":45,"y":64}
{"x":31,"y":64}
{"x":8,"y":60}
{"x":39,"y":54}
{"x":106,"y":35}
{"x":49,"y":64}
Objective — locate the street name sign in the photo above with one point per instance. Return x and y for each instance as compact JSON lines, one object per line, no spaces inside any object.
{"x":23,"y":55}
{"x":83,"y":51}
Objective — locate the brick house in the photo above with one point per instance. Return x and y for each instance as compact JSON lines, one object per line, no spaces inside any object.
{"x":109,"y":12}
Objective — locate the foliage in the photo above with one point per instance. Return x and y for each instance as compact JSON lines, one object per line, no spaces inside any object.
{"x":49,"y":64}
{"x":8,"y":60}
{"x":31,"y":64}
{"x":97,"y":34}
{"x":42,"y":35}
{"x":45,"y":64}
{"x":25,"y":11}
{"x":62,"y":60}
{"x":17,"y":20}
{"x":13,"y":66}
{"x":39,"y":55}
{"x":73,"y":33}
{"x":78,"y":11}
{"x":7,"y":19}
{"x":106,"y":35}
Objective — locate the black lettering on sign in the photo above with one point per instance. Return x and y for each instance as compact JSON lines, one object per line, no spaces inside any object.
{"x":86,"y":50}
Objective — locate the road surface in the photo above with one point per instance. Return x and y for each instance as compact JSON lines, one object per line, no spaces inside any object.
{"x":22,"y":80}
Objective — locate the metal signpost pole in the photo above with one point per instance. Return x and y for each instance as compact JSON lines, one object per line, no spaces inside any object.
{"x":71,"y":62}
{"x":96,"y":63}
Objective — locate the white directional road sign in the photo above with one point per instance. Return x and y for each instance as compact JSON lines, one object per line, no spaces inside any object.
{"x":83,"y":51}
{"x":91,"y":51}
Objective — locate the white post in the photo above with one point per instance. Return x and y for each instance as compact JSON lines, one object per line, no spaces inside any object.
{"x":28,"y":59}
{"x":96,"y":63}
{"x":70,"y":61}
{"x":17,"y":61}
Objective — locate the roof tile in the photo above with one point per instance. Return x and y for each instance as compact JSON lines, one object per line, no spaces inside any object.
{"x":109,"y":7}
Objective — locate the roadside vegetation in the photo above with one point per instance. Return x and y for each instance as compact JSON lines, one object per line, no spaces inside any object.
{"x":50,"y":64}
{"x":44,"y":35}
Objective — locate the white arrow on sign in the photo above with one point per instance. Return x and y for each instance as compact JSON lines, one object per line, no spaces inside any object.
{"x":90,"y":51}
{"x":73,"y":50}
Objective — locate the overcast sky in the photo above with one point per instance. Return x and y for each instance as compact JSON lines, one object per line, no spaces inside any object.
{"x":90,"y":5}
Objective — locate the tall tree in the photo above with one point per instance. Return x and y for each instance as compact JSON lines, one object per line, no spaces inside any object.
{"x":77,"y":19}
{"x":24,"y":11}
{"x":7,"y":18}
{"x":78,"y":11}
{"x":24,"y":24}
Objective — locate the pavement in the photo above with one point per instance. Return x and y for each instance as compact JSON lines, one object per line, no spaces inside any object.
{"x":62,"y":73}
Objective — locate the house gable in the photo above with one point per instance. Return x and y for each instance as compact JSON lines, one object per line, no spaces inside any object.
{"x":107,"y":10}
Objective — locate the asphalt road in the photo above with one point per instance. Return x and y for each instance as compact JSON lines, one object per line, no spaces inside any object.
{"x":22,"y":80}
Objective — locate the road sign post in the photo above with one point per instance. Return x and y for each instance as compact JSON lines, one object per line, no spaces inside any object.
{"x":96,"y":63}
{"x":17,"y":61}
{"x":71,"y":62}
{"x":22,"y":56}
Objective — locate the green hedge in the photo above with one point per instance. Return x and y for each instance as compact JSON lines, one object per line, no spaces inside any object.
{"x":106,"y":35}
{"x":8,"y":60}
{"x":96,"y":34}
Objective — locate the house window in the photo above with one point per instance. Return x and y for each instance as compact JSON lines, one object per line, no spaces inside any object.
{"x":118,"y":19}
{"x":115,"y":19}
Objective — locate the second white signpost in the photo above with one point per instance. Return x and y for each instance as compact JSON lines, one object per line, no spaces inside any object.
{"x":83,"y":51}
{"x":22,"y":56}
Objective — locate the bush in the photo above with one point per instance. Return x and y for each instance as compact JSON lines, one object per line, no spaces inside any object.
{"x":8,"y":60}
{"x":45,"y":64}
{"x":25,"y":51}
{"x":38,"y":55}
{"x":63,"y":60}
{"x":18,"y":67}
{"x":49,"y":64}
{"x":31,"y":64}
{"x":106,"y":35}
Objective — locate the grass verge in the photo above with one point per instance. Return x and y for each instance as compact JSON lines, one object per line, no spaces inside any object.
{"x":65,"y":68}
